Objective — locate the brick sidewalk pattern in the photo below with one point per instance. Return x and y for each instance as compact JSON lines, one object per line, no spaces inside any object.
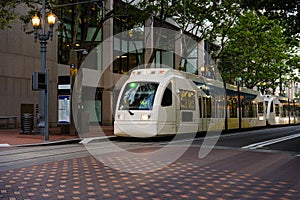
{"x":14,"y":137}
{"x":187,"y":178}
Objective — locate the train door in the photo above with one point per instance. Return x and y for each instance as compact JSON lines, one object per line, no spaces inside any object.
{"x":273,"y":112}
{"x":187,"y":108}
{"x":292,"y":112}
{"x":201,"y":124}
{"x":276,"y":111}
{"x":207,"y":111}
{"x":167,"y":112}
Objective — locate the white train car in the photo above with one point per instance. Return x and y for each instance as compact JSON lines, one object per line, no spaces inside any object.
{"x":156,"y":102}
{"x":280,"y":110}
{"x":159,"y":102}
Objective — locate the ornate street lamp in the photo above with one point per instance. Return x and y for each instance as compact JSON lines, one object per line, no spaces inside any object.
{"x":43,"y":37}
{"x":36,"y":21}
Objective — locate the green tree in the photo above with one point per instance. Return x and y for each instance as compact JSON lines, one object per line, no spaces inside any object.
{"x":8,"y":12}
{"x":287,"y":11}
{"x":256,"y":51}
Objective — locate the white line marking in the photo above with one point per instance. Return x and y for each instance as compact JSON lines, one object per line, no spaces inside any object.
{"x":88,"y":140}
{"x":269,"y":142}
{"x":4,"y":145}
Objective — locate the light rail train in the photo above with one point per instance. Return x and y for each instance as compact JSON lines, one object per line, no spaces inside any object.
{"x":282,"y":110}
{"x":159,"y":102}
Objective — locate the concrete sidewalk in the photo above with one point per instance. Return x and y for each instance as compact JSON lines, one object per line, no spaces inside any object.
{"x":13,"y":137}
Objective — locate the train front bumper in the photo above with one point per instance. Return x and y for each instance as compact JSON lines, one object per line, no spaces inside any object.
{"x":141,"y":129}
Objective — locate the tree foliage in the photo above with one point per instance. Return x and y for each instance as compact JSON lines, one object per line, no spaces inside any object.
{"x":287,"y":11}
{"x":256,"y":51}
{"x":8,"y":12}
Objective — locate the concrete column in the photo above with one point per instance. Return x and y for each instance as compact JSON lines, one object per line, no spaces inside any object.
{"x":148,"y":40}
{"x":178,"y":49}
{"x":107,"y":110}
{"x":107,"y":78}
{"x":201,"y":54}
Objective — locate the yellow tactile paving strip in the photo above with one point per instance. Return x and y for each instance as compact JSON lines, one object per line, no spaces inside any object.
{"x":87,"y":178}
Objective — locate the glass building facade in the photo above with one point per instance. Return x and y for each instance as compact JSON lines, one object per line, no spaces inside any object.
{"x":87,"y":29}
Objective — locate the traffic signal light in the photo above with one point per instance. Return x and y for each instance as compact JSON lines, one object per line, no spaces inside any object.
{"x":39,"y":81}
{"x":73,"y":70}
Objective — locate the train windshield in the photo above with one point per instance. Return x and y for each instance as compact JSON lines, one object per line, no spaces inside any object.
{"x":138,"y":96}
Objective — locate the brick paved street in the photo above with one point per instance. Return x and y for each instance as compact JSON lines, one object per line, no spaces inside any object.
{"x":224,"y":174}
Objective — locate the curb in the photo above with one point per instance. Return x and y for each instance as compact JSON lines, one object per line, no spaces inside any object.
{"x":59,"y":142}
{"x":69,"y":141}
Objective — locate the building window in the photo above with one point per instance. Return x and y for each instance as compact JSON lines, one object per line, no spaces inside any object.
{"x":164,"y":59}
{"x":189,"y":62}
{"x":128,"y":46}
{"x":85,"y":32}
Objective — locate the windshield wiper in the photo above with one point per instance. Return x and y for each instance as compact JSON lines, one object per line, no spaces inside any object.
{"x":131,"y":113}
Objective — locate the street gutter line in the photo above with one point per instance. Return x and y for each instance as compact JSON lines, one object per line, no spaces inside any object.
{"x":269,"y":142}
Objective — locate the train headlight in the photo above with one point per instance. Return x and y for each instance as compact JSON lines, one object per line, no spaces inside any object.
{"x":121,"y":117}
{"x":145,"y":116}
{"x":261,"y":118}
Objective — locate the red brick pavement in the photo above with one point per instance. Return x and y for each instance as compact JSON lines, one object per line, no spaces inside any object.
{"x":14,"y":137}
{"x":187,"y":178}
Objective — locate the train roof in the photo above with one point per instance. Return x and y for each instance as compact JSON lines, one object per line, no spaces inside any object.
{"x":217,"y":83}
{"x":159,"y":74}
{"x":163,"y":72}
{"x":270,"y":96}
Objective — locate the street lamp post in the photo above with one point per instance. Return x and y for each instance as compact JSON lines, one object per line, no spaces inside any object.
{"x":43,"y":37}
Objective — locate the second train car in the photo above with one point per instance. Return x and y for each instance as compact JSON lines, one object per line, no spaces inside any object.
{"x":282,"y":110}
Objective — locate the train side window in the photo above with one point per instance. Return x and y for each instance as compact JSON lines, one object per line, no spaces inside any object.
{"x":284,"y":111}
{"x":254,"y":110}
{"x":277,"y":110}
{"x":232,"y":106}
{"x":260,"y":107}
{"x":249,"y":109}
{"x":219,"y":107}
{"x":167,"y":96}
{"x":200,"y":107}
{"x":187,"y":100}
{"x":271,"y":107}
{"x":207,"y":109}
{"x":291,"y":110}
{"x":246,"y":109}
{"x":213,"y":111}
